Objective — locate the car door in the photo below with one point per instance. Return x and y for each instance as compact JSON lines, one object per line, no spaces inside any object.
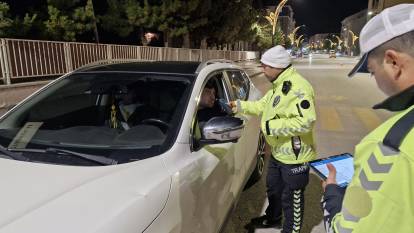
{"x":217,"y":167}
{"x":239,"y":84}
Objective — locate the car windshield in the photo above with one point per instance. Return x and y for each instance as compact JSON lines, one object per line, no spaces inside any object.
{"x":122,"y":116}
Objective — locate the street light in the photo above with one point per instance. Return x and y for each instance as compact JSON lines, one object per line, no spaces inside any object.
{"x":297,"y":41}
{"x":331,"y":43}
{"x":273,"y":17}
{"x":293,"y":34}
{"x":339,"y":40}
{"x":354,"y":38}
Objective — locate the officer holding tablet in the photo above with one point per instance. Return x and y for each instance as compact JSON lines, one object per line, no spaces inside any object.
{"x":380,"y":197}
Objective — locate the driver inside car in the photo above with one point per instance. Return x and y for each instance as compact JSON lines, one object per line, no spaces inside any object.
{"x":130,"y":109}
{"x":208,"y":106}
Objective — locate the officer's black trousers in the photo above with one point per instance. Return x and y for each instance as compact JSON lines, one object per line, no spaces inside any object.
{"x":285,"y":190}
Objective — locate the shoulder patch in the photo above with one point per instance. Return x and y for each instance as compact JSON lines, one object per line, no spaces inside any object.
{"x":304,"y":104}
{"x":287,"y":85}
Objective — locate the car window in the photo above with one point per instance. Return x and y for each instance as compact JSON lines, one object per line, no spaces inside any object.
{"x":212,"y":93}
{"x":103,"y":113}
{"x":239,"y":84}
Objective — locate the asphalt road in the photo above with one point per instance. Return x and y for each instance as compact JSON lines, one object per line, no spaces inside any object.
{"x":344,"y":117}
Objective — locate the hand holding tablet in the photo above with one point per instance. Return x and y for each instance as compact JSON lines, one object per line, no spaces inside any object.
{"x":343,"y":163}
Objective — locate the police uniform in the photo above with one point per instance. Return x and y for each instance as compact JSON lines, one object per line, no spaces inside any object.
{"x":288,"y":116}
{"x":381,"y":195}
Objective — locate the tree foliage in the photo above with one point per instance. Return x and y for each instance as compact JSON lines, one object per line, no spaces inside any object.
{"x":66,"y":24}
{"x":115,"y":19}
{"x":264,"y":36}
{"x":17,"y":26}
{"x":185,"y":23}
{"x":5,"y":21}
{"x":180,"y":18}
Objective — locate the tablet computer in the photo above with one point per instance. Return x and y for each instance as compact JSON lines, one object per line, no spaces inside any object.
{"x":344,"y":164}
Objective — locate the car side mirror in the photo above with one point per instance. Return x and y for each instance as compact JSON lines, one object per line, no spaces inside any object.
{"x":221,"y":130}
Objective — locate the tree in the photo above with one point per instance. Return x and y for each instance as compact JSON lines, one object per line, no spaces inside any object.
{"x":5,"y":21}
{"x":16,"y":27}
{"x":115,"y":19}
{"x":141,"y":16}
{"x":23,"y":27}
{"x":69,"y":22}
{"x":229,"y":21}
{"x":126,"y":17}
{"x":84,"y":18}
{"x":180,"y":18}
{"x":264,"y":36}
{"x":60,"y":26}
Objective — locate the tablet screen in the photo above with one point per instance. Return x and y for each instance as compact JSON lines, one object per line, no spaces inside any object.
{"x":344,"y":164}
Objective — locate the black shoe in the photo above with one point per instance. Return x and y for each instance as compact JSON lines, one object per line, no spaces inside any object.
{"x":265,"y":222}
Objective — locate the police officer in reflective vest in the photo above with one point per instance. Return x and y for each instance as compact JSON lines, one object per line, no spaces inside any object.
{"x":380,"y":197}
{"x":287,"y":120}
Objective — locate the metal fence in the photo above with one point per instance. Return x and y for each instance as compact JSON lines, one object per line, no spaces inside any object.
{"x":32,"y":58}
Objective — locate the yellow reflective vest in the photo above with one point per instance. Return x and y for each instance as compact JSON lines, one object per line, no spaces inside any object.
{"x":380,"y":197}
{"x":287,"y":117}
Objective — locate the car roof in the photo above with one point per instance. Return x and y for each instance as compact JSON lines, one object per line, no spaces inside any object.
{"x":171,"y":67}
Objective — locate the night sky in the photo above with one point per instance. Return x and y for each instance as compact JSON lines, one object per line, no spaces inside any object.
{"x":319,"y":16}
{"x":322,"y":16}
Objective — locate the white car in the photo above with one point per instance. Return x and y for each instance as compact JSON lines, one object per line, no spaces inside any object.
{"x":69,"y":164}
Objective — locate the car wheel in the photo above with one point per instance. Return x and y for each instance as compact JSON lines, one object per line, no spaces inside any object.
{"x":260,"y":164}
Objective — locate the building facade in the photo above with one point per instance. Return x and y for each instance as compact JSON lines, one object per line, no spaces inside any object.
{"x":320,"y":41}
{"x":351,"y":28}
{"x":376,"y":6}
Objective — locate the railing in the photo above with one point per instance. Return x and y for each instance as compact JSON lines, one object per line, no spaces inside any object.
{"x":32,"y":58}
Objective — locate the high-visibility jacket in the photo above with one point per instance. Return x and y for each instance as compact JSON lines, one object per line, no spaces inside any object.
{"x":380,"y":197}
{"x":287,"y":117}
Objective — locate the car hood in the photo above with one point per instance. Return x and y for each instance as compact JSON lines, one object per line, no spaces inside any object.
{"x":53,"y":198}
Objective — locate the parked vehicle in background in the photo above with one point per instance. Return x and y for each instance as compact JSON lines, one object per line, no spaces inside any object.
{"x":68,"y":164}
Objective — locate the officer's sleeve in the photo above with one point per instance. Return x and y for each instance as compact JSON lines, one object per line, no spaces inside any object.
{"x":300,"y":118}
{"x":253,"y":107}
{"x":331,"y":204}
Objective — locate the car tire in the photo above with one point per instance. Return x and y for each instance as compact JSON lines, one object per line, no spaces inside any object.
{"x":260,"y":163}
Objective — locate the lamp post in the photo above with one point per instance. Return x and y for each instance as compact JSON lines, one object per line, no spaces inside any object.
{"x":339,"y":40}
{"x":297,"y":41}
{"x":331,"y":43}
{"x":273,"y":17}
{"x":353,"y":39}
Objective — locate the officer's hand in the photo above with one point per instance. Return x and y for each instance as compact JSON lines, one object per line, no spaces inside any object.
{"x":232,"y":104}
{"x":331,"y":177}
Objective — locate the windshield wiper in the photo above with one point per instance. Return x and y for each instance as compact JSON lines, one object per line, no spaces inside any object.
{"x":6,"y":153}
{"x":94,"y":158}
